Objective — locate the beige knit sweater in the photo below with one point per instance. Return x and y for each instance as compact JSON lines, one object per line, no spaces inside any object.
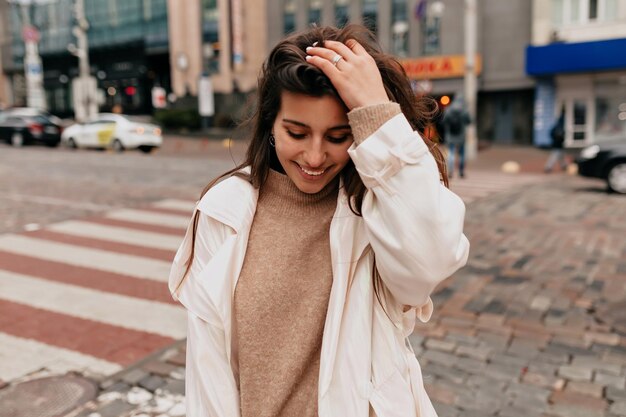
{"x":281,"y":299}
{"x":283,"y":290}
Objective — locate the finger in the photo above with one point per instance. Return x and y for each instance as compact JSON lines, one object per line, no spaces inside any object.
{"x":324,"y":64}
{"x":356,"y":47}
{"x":325,"y":53}
{"x":340,"y":48}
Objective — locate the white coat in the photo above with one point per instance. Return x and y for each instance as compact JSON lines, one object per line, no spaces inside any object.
{"x":410,"y":221}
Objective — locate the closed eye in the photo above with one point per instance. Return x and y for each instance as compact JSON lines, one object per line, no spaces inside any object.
{"x":339,"y":139}
{"x":295,"y":135}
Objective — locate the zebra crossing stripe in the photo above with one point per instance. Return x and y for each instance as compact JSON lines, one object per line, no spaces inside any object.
{"x":135,"y":266}
{"x":165,"y":230}
{"x":20,"y":356}
{"x":142,"y":216}
{"x":174,"y":204}
{"x":114,"y":309}
{"x":117,"y":234}
{"x":85,"y":277}
{"x":106,"y":245}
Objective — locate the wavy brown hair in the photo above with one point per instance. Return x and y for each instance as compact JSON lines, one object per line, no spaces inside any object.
{"x":286,"y":69}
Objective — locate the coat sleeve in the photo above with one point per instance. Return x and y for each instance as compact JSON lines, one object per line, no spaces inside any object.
{"x":206,"y":355}
{"x":414,"y":223}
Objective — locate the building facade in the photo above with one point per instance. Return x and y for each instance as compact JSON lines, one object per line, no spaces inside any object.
{"x":428,"y":38}
{"x":138,"y":44}
{"x":577,"y":56}
{"x":128,"y":52}
{"x":5,"y":90}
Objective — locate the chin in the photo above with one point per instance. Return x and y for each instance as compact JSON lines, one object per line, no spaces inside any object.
{"x":310,"y":188}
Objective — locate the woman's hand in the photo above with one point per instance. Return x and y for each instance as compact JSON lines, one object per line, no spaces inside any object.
{"x":352,"y":71}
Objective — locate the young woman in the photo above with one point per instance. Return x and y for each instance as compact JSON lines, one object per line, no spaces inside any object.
{"x":304,"y":268}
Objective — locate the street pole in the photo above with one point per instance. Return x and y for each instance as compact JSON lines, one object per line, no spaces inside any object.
{"x":470,"y":82}
{"x":33,"y":69}
{"x":84,"y":87}
{"x":80,"y":32}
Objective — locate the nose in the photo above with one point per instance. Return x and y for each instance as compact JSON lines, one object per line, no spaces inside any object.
{"x":315,"y":155}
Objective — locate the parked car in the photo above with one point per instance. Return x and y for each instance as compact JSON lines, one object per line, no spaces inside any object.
{"x":606,"y":161}
{"x":30,"y":111}
{"x":114,"y":131}
{"x":20,"y":129}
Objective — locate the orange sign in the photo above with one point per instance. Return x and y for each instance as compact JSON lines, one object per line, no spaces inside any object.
{"x":441,"y":66}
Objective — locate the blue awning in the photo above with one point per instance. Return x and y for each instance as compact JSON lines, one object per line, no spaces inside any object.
{"x":576,"y":57}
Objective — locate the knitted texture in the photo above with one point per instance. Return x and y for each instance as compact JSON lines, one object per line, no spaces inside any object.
{"x":281,"y":300}
{"x":364,"y":121}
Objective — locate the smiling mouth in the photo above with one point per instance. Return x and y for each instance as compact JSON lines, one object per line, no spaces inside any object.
{"x":314,"y":173}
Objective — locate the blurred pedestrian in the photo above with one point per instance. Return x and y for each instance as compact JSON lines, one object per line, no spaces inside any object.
{"x":304,"y":268}
{"x":455,"y":121}
{"x":557,"y":154}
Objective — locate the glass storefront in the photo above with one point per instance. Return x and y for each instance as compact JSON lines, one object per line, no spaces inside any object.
{"x":610,"y":109}
{"x":134,"y":31}
{"x":210,"y":36}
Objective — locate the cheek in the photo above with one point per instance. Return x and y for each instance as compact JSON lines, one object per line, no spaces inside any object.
{"x":341,"y":156}
{"x":285,"y":149}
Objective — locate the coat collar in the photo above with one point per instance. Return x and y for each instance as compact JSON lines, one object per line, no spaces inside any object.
{"x":232,"y":202}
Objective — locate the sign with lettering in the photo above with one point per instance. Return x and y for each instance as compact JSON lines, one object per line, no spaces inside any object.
{"x":441,"y":66}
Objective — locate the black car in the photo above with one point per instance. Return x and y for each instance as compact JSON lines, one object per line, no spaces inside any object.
{"x":19,"y":129}
{"x":606,"y":161}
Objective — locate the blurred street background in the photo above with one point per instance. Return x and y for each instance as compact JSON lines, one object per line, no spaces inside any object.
{"x":115,"y":114}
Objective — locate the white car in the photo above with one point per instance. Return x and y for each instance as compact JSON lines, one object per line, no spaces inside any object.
{"x":114,"y":131}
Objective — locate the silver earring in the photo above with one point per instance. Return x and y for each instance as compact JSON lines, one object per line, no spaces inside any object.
{"x":272,"y":141}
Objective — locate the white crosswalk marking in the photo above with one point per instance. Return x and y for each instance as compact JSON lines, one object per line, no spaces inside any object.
{"x":108,"y":307}
{"x":119,"y":310}
{"x":117,"y":234}
{"x":139,"y":216}
{"x":20,"y":356}
{"x":175,"y":205}
{"x":119,"y":263}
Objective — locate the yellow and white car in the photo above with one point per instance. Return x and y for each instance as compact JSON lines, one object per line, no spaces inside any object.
{"x":113,"y":131}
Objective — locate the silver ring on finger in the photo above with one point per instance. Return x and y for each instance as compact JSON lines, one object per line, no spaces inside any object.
{"x":336,"y":59}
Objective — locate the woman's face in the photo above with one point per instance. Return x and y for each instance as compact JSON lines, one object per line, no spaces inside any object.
{"x":312,"y":139}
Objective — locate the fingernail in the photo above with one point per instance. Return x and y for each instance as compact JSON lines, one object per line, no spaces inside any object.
{"x":308,"y":57}
{"x":308,"y":48}
{"x":314,"y":43}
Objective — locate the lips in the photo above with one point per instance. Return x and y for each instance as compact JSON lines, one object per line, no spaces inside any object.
{"x":312,"y":172}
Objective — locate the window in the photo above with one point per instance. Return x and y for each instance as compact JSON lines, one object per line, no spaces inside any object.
{"x":400,"y":28}
{"x":210,"y":36}
{"x":370,"y":13}
{"x":580,"y":120}
{"x":342,"y":13}
{"x":289,"y":16}
{"x":315,"y":12}
{"x":610,"y":103}
{"x":593,"y":9}
{"x":572,"y":12}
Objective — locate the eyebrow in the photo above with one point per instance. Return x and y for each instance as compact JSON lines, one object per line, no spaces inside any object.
{"x":295,"y":122}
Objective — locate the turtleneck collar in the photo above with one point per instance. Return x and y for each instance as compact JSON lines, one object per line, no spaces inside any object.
{"x":281,"y":195}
